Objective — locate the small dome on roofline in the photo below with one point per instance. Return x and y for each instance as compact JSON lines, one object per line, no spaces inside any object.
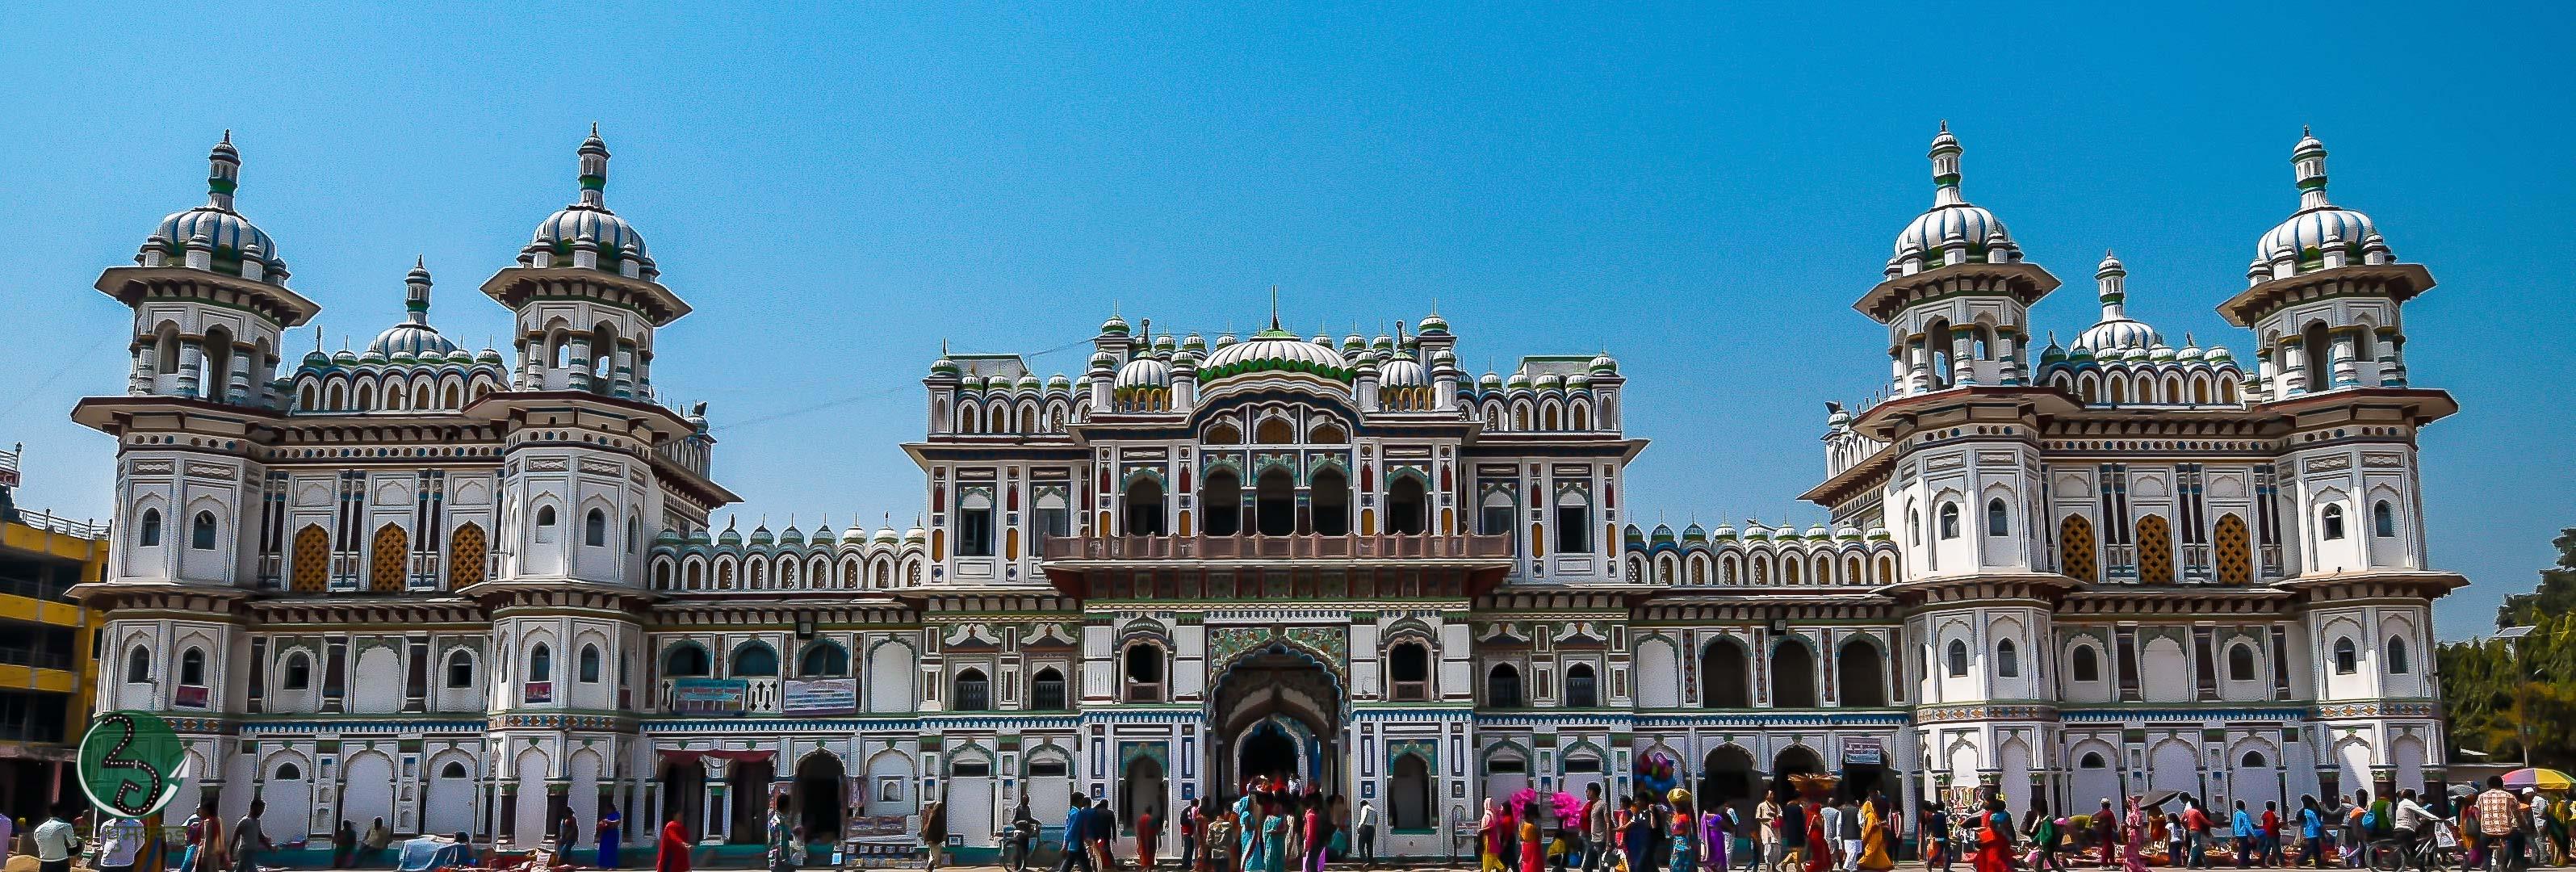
{"x":213,"y":237}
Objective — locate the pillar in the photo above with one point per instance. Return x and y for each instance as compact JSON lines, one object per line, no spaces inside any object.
{"x":579,"y":363}
{"x":622,"y":370}
{"x":2392,"y":363}
{"x":1963,"y":359}
{"x":2294,"y":364}
{"x":238,"y":392}
{"x":192,"y":363}
{"x":2346,"y":372}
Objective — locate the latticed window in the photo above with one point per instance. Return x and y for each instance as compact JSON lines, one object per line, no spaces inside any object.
{"x":2155,"y":551}
{"x":1503,"y":687}
{"x":2075,"y":551}
{"x":1046,"y":693}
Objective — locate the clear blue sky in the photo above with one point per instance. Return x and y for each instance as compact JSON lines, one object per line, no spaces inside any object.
{"x":1702,"y":192}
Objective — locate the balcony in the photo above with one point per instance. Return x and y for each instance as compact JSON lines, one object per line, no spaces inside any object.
{"x":1263,"y":549}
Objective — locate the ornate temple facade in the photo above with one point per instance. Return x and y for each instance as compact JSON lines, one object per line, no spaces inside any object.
{"x":473,"y":591}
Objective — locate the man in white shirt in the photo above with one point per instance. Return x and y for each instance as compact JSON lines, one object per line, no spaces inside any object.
{"x":55,"y":842}
{"x":1366,"y":822}
{"x":119,"y":840}
{"x":1832,"y":813}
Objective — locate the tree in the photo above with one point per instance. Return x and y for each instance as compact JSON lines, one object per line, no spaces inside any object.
{"x":2504,"y":694}
{"x":2556,"y":594}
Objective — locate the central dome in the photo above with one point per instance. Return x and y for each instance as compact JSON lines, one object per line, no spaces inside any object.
{"x":1952,"y":219}
{"x":1275,"y":350}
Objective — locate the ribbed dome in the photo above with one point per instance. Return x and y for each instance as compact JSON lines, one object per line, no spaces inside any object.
{"x":2116,"y":330}
{"x":1275,"y":350}
{"x":229,"y":238}
{"x":1951,"y":217}
{"x":1403,"y":372}
{"x":413,"y":338}
{"x":587,"y":222}
{"x":2306,"y":233}
{"x":1143,"y":373}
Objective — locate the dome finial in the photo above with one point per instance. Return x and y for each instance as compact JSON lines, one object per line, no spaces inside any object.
{"x":1945,"y":167}
{"x":416,"y":291}
{"x":594,"y":169}
{"x":223,"y":173}
{"x":2308,"y":160}
{"x":1274,"y":306}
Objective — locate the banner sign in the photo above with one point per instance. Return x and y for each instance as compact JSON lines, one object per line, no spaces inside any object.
{"x":821,"y":696}
{"x":1864,"y":752}
{"x":131,"y":763}
{"x":877,"y":826}
{"x":708,"y":696}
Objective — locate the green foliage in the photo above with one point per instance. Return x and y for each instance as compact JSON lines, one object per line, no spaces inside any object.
{"x":2501,"y":693}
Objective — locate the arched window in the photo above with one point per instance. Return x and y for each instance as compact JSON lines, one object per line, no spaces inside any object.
{"x":1407,"y":511}
{"x":192,"y":667}
{"x":541,"y":663}
{"x":1998,"y":520}
{"x":2333,"y":522}
{"x":594,"y":528}
{"x":454,"y":771}
{"x":288,"y":772}
{"x":974,"y":691}
{"x":2091,"y":760}
{"x":1328,"y":502}
{"x":1409,"y":667}
{"x":2007,"y":659}
{"x":1503,"y":687}
{"x":545,"y":524}
{"x":147,"y":534}
{"x":823,"y":658}
{"x":634,"y":534}
{"x":755,"y":660}
{"x":685,"y":660}
{"x":2396,"y":656}
{"x":1221,"y":503}
{"x":1958,"y":658}
{"x":589,"y":664}
{"x":460,"y":669}
{"x":1861,"y":675}
{"x":2088,"y":665}
{"x":1793,"y":675}
{"x":2347,"y":659}
{"x":138,"y":665}
{"x":1725,"y":675}
{"x":1046,"y":691}
{"x":1949,"y":520}
{"x":2383,"y":520}
{"x":201,"y":532}
{"x":1581,"y":687}
{"x":1913,"y":527}
{"x":298,"y":674}
{"x":2254,"y":760}
{"x":2240,"y":662}
{"x":1143,"y":666}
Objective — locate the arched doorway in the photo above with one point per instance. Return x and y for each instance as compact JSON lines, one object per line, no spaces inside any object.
{"x":1221,"y":503}
{"x":1860,"y":675}
{"x":821,"y":800}
{"x":1726,"y":777}
{"x":1407,"y":506}
{"x":1725,"y":676}
{"x":684,"y":790}
{"x":1409,"y":801}
{"x":1275,"y":711}
{"x":1793,"y":760}
{"x":748,"y":786}
{"x":1331,"y":497}
{"x":1141,"y":791}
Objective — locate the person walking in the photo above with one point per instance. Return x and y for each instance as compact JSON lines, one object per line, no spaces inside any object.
{"x":248,"y":839}
{"x":1147,"y":833}
{"x":344,"y":845}
{"x":1878,"y":835}
{"x":1193,"y":827}
{"x":204,"y":831}
{"x":2272,"y":849}
{"x":2044,"y":833}
{"x":2497,"y":815}
{"x":2241,"y":826}
{"x":1276,"y":828}
{"x":1935,"y":830}
{"x":2312,"y":832}
{"x":119,"y":840}
{"x":54,"y":841}
{"x":934,"y":830}
{"x":671,"y":852}
{"x":608,"y":839}
{"x":2133,"y":841}
{"x":1365,"y":823}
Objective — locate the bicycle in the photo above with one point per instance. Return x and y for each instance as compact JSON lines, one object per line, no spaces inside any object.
{"x":1018,"y":842}
{"x":2441,"y":850}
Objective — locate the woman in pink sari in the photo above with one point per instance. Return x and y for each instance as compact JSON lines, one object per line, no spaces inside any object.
{"x":2133,"y":839}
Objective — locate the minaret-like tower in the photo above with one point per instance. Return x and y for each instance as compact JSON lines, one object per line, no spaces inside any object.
{"x":592,"y":466}
{"x":2312,"y":339}
{"x":209,"y":298}
{"x":1957,"y":294}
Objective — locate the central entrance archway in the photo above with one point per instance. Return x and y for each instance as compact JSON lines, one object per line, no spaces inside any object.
{"x":1276,"y":713}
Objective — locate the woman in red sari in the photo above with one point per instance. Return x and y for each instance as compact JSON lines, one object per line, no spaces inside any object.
{"x":1994,"y":843}
{"x":1820,"y":853}
{"x":672,"y":853}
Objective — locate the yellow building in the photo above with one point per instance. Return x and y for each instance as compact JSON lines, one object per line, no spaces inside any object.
{"x":46,"y":668}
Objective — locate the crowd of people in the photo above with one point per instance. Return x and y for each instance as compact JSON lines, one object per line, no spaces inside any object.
{"x":2500,"y":831}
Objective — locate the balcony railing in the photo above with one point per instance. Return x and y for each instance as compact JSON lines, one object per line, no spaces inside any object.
{"x":1280,"y":548}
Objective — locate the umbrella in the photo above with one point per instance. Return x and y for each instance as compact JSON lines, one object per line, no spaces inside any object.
{"x":2159,"y":798}
{"x":2544,"y":779}
{"x":2463,"y":790}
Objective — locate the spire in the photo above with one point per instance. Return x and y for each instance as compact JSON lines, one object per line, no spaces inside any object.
{"x":2112,"y":278}
{"x":1945,"y":168}
{"x":223,"y":173}
{"x":416,"y":292}
{"x":594,"y":169}
{"x":1274,"y":307}
{"x":2308,"y":160}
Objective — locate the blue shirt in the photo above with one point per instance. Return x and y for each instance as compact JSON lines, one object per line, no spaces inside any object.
{"x":1073,"y":820}
{"x":2244,"y":824}
{"x":2310,"y":824}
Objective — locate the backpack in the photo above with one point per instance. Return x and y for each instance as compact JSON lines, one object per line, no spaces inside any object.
{"x":2370,"y":821}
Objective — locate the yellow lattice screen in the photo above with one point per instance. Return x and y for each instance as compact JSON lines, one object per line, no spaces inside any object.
{"x":2075,"y":548}
{"x":2235,"y":551}
{"x":312,"y":560}
{"x":385,"y":566}
{"x":465,"y":557}
{"x":2155,"y":551}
